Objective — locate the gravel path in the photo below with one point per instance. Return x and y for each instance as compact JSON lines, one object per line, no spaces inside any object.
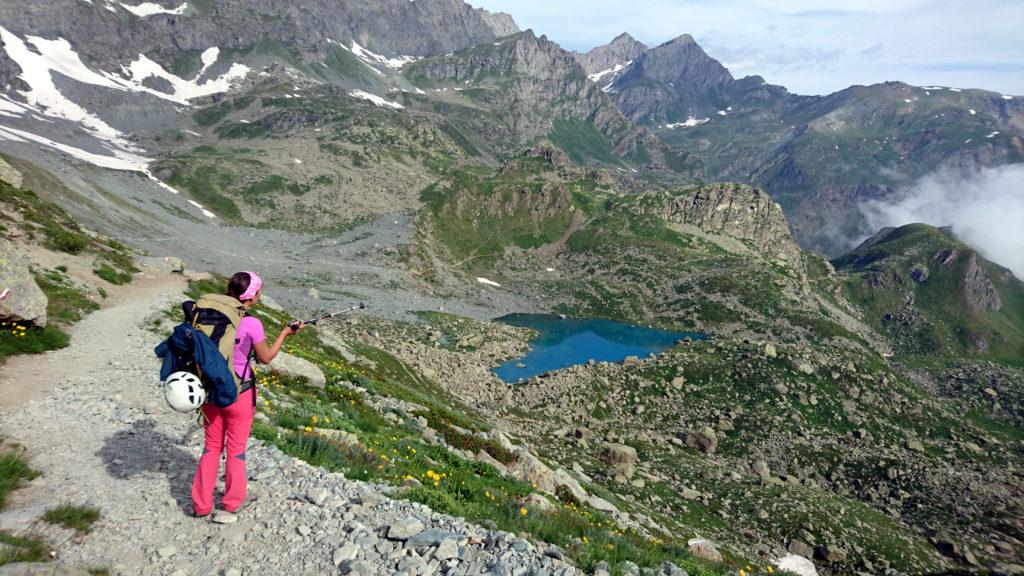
{"x":97,"y":428}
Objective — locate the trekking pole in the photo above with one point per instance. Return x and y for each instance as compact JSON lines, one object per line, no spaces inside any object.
{"x":294,"y":325}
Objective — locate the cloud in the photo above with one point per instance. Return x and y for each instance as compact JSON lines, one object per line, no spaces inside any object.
{"x":874,"y":51}
{"x":985,"y":210}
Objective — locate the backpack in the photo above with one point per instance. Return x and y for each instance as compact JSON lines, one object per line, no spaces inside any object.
{"x":204,"y":345}
{"x":219,"y":316}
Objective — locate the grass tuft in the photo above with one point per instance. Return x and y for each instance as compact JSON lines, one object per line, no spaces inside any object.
{"x":79,"y":518}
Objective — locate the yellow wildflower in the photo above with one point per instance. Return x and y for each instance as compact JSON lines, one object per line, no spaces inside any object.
{"x":522,"y":511}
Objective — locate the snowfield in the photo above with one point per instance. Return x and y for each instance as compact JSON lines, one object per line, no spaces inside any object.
{"x":375,"y":99}
{"x":149,"y":9}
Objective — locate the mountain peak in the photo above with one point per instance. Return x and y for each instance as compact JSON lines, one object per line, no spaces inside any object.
{"x":622,"y":50}
{"x":682,"y":59}
{"x":624,"y":38}
{"x":683,"y":39}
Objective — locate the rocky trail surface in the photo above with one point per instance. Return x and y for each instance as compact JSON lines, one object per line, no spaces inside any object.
{"x":95,"y":425}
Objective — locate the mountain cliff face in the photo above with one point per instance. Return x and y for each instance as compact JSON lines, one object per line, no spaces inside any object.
{"x":110,"y":35}
{"x":531,"y":88}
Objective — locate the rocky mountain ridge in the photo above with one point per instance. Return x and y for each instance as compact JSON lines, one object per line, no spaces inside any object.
{"x":820,"y":157}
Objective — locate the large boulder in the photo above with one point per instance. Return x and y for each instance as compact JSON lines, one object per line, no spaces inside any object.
{"x":295,"y":366}
{"x":21,"y":299}
{"x":620,"y":458}
{"x":705,"y":439}
{"x":10,"y":174}
{"x":704,"y":549}
{"x":528,"y":468}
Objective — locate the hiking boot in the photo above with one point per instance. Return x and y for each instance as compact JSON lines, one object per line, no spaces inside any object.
{"x":222,"y":517}
{"x":196,"y":514}
{"x":249,"y":499}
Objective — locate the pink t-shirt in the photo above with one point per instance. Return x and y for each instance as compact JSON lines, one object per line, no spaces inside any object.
{"x":250,"y":331}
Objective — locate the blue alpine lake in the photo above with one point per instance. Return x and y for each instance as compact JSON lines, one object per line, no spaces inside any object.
{"x":563,"y":343}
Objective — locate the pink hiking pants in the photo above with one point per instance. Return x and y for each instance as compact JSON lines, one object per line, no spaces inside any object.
{"x":230,"y":426}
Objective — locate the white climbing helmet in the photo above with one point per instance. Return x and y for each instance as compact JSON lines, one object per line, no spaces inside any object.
{"x":184,"y":392}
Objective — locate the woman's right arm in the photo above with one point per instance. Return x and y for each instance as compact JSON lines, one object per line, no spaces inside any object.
{"x":265,"y":353}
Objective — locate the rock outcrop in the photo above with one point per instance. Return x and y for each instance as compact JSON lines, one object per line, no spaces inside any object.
{"x":21,"y":299}
{"x":735,"y":210}
{"x":978,"y":289}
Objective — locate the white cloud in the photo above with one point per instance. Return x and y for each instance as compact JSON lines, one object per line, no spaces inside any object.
{"x":985,"y":210}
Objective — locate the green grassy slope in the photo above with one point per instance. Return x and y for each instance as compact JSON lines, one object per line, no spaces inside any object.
{"x":922,"y":287}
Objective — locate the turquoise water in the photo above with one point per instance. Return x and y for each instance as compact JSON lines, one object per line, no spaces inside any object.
{"x":564,"y":343}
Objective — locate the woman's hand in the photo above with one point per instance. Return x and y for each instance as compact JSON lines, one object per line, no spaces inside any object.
{"x":293,"y":328}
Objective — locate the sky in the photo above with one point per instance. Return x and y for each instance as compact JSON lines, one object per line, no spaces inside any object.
{"x":809,"y":46}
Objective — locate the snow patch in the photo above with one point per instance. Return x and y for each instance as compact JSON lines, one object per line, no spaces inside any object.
{"x":972,"y":112}
{"x":992,"y":134}
{"x":907,"y":100}
{"x":375,"y":99}
{"x":150,"y":8}
{"x":613,"y":70}
{"x":205,"y":212}
{"x":1007,"y":97}
{"x":722,"y":113}
{"x":488,"y":282}
{"x":954,"y":90}
{"x":183,"y":90}
{"x":296,"y":161}
{"x":58,"y":56}
{"x":797,"y":565}
{"x":367,"y":56}
{"x":690,"y":121}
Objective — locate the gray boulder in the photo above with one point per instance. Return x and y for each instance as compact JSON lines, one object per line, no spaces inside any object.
{"x":800,"y":548}
{"x":10,"y":174}
{"x":405,"y":528}
{"x":704,"y":549}
{"x":295,"y":366}
{"x":705,"y":440}
{"x":21,"y":299}
{"x":620,"y":458}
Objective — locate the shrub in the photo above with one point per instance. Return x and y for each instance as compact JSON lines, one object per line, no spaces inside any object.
{"x":64,"y":240}
{"x":112,"y":275}
{"x":437,"y":500}
{"x":30,"y":340}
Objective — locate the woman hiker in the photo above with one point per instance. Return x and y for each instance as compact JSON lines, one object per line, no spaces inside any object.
{"x":229,"y":427}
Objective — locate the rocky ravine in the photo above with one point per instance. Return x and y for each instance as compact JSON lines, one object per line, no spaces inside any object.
{"x":103,"y":436}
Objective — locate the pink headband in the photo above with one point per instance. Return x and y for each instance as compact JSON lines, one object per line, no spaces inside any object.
{"x":255,"y":283}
